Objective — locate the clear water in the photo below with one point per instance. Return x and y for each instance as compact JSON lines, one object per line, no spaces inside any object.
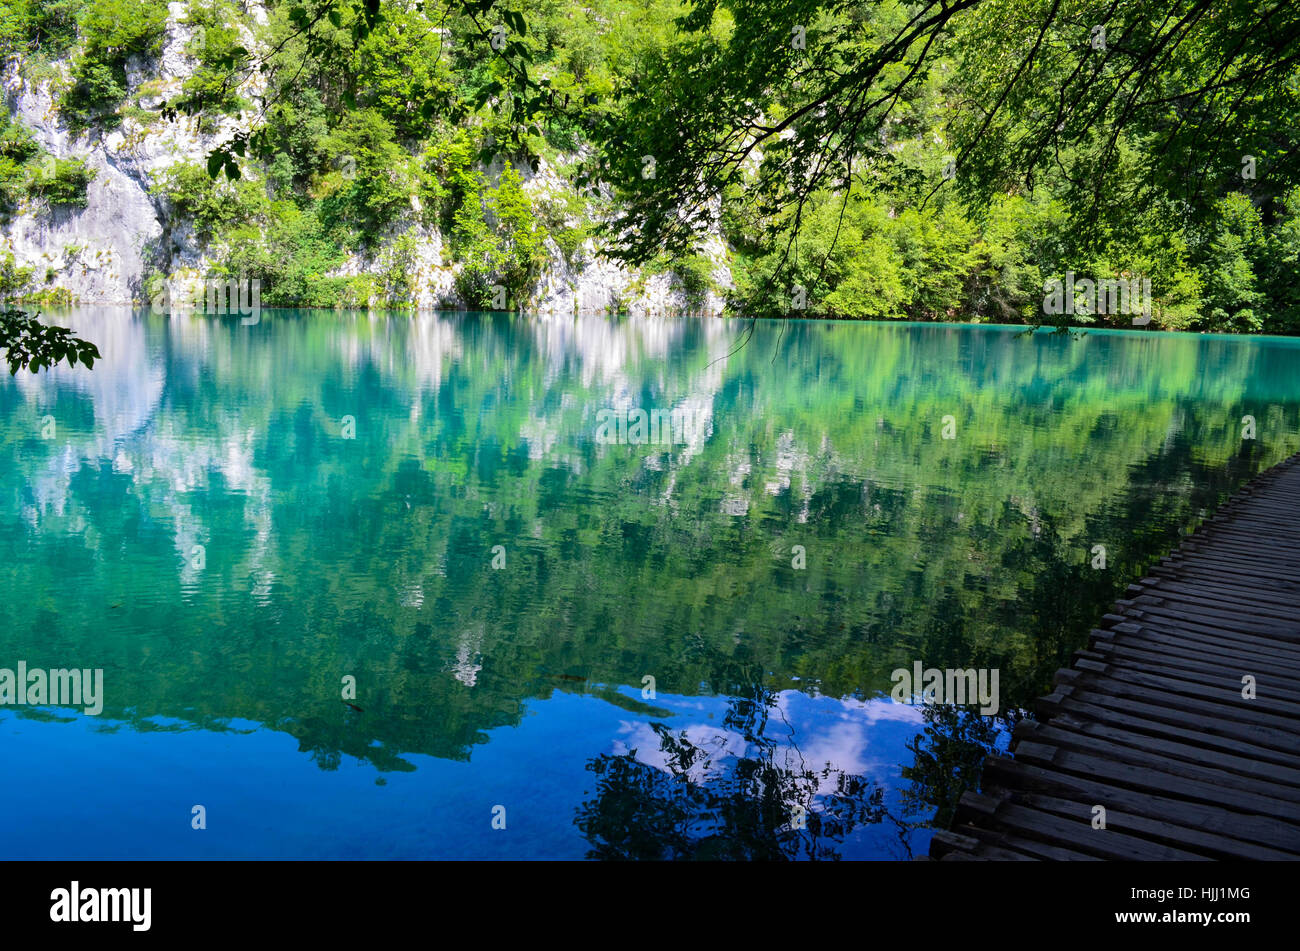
{"x":518,"y":692}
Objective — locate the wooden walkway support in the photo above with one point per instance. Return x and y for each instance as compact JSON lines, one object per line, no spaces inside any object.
{"x":1150,"y":723}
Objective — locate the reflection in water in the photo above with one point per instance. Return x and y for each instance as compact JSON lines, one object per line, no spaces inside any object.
{"x":949,"y":755}
{"x":735,"y":794}
{"x":200,"y":526}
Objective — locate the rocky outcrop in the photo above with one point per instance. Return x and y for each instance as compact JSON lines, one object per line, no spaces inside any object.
{"x":104,"y":252}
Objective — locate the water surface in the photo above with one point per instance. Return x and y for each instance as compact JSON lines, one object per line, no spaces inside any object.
{"x":231,"y":519}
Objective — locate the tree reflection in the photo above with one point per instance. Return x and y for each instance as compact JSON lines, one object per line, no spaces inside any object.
{"x":709,"y":801}
{"x":949,"y":757}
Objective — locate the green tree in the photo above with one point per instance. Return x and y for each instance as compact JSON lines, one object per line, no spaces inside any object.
{"x":373,"y":178}
{"x":65,"y":183}
{"x":496,"y":235}
{"x":217,"y":45}
{"x":111,"y":32}
{"x":520,"y":239}
{"x":1280,"y":267}
{"x":1232,"y":296}
{"x":1118,"y":112}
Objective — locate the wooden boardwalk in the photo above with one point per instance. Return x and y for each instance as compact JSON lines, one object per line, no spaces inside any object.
{"x":1150,"y":722}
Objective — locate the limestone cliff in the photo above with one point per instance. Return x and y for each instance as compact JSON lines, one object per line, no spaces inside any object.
{"x":107,"y":251}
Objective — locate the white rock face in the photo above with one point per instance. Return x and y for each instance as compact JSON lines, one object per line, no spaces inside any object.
{"x":97,"y":251}
{"x":102,"y":254}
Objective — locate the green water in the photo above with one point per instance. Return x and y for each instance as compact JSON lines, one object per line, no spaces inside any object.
{"x":324,"y":556}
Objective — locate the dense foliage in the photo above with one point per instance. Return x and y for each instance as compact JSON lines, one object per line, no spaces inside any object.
{"x":968,"y":152}
{"x":28,"y":173}
{"x":872,"y":159}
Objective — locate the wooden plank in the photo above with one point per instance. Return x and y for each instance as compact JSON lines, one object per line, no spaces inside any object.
{"x":1078,"y":835}
{"x":1184,"y":662}
{"x":1229,"y":546}
{"x":1053,"y":735}
{"x":1274,"y":833}
{"x":1227,"y":604}
{"x":1259,"y":520}
{"x":1189,"y":561}
{"x":1280,"y":743}
{"x":1257,"y":505}
{"x":1270,"y":570}
{"x":1268,"y":518}
{"x":1148,"y":635}
{"x":1193,"y":644}
{"x":993,"y":839}
{"x":1141,"y":724}
{"x":1204,"y":843}
{"x":1276,"y":604}
{"x":1248,"y":584}
{"x":1268,"y":576}
{"x":1196,"y":709}
{"x":1209,"y":545}
{"x":1142,"y":779}
{"x":1222,"y":689}
{"x":1154,"y":741}
{"x":1228,"y":644}
{"x":1184,"y":611}
{"x":1241,"y":533}
{"x":1187,"y":664}
{"x":1170,"y":616}
{"x":945,"y":841}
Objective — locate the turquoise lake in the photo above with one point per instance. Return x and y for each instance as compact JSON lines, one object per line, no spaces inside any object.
{"x":377,"y":586}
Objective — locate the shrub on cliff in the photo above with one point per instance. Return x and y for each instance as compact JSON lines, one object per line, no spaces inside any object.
{"x":111,"y":32}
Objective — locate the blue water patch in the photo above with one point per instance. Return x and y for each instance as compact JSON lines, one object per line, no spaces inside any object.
{"x":91,"y":788}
